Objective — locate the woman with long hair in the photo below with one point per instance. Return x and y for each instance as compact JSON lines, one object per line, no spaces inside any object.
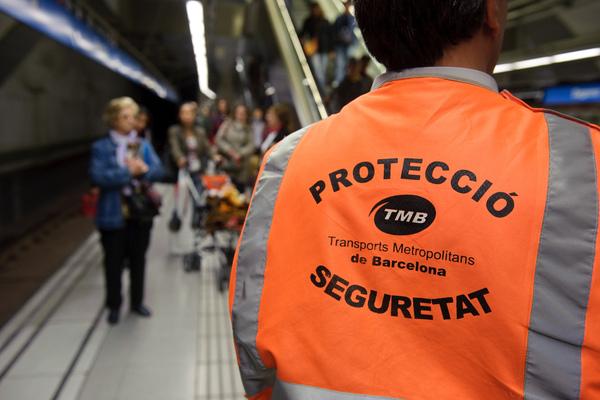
{"x":188,"y":141}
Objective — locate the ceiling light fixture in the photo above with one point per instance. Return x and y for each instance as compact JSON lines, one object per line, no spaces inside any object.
{"x":549,"y":60}
{"x":195,"y":14}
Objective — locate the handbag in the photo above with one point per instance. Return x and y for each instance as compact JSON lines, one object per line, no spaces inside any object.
{"x":142,"y":203}
{"x":311,"y":46}
{"x":89,"y":203}
{"x":174,"y":222}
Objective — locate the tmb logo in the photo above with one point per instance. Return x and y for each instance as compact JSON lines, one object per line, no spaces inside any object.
{"x":403,"y":215}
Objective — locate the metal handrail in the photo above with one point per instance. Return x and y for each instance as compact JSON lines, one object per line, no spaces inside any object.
{"x":307,"y":97}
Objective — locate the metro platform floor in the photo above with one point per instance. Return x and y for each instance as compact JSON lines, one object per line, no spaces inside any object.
{"x":60,"y":347}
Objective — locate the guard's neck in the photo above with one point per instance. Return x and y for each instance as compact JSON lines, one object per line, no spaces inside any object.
{"x":477,"y":53}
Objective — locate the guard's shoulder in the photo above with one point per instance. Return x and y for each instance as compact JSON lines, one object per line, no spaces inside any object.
{"x":290,"y":141}
{"x":509,"y":96}
{"x":279,"y":155}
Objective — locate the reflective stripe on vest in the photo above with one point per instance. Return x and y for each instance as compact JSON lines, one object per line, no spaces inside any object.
{"x":564,"y":265}
{"x":251,"y":267}
{"x":289,"y":391}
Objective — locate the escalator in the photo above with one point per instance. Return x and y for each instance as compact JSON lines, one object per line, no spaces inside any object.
{"x":305,"y":93}
{"x":267,"y":64}
{"x":286,"y":19}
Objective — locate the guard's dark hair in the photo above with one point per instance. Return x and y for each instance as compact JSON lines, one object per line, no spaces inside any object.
{"x":403,"y":34}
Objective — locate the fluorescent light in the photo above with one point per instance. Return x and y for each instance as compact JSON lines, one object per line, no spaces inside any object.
{"x":533,"y":63}
{"x":549,"y":60}
{"x":578,"y":55}
{"x":195,"y":13}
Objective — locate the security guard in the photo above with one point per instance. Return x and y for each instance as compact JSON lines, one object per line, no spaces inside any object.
{"x":436,"y":239}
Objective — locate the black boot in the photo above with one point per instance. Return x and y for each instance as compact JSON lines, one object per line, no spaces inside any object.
{"x":142,"y":311}
{"x":113,"y":317}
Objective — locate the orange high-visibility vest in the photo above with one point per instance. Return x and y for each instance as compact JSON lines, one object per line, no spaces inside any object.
{"x":434,"y":240}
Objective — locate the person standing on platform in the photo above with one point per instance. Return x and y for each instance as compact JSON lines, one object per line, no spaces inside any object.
{"x":258,"y":126}
{"x":123,"y":166}
{"x":188,"y":142}
{"x":350,"y":88}
{"x":220,"y":115}
{"x":435,"y":240}
{"x":235,"y":144}
{"x":142,"y":124}
{"x":278,"y":126}
{"x":317,"y":42}
{"x":203,"y":119}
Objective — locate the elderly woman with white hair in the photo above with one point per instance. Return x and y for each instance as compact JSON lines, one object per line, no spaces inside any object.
{"x":123,"y":166}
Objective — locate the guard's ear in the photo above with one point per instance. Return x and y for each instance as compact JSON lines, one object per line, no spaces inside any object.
{"x":495,"y":16}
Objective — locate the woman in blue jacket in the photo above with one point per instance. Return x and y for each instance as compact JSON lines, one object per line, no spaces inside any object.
{"x":120,"y":163}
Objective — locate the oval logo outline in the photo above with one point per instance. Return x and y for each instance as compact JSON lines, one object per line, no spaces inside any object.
{"x":403,"y":215}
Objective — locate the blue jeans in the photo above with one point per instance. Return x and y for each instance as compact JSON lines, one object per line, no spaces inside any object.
{"x":319,"y":63}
